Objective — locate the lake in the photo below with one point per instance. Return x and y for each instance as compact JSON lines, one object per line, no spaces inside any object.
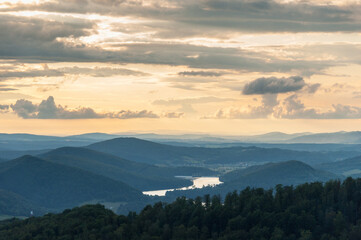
{"x":198,"y":182}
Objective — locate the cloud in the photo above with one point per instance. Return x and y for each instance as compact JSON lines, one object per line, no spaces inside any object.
{"x":201,"y":73}
{"x":61,"y":38}
{"x":7,"y":89}
{"x":340,"y":51}
{"x":312,"y":88}
{"x":57,"y":72}
{"x":189,"y":87}
{"x":203,"y":57}
{"x":290,"y":108}
{"x":24,"y":108}
{"x":38,"y":40}
{"x":273,"y":85}
{"x":181,"y":18}
{"x":187,"y":103}
{"x":173,"y":115}
{"x":293,"y":108}
{"x":269,"y":101}
{"x":34,"y":39}
{"x":47,"y":109}
{"x":4,"y":108}
{"x":127,"y":114}
{"x":9,"y":95}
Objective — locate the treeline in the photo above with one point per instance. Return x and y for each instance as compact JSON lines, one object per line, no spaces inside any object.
{"x":309,"y":211}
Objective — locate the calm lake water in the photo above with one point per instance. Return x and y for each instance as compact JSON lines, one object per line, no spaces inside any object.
{"x":198,"y":182}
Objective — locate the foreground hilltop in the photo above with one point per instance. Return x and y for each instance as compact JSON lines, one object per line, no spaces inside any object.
{"x":308,"y":211}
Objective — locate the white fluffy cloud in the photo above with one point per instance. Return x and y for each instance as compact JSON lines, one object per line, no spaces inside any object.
{"x":269,"y":101}
{"x":290,"y":108}
{"x":47,"y":109}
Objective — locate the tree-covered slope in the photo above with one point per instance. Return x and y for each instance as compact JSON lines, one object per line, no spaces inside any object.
{"x":266,"y":176}
{"x":347,"y":167}
{"x":139,"y":175}
{"x":270,"y":174}
{"x":52,"y":185}
{"x":12,"y":204}
{"x":327,"y":211}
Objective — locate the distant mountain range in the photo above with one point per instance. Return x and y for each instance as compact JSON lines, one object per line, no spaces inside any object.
{"x":24,"y":142}
{"x":155,"y":153}
{"x":272,"y":137}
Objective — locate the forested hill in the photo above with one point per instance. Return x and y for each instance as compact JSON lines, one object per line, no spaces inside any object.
{"x":327,"y":211}
{"x":155,"y":153}
{"x":55,"y":186}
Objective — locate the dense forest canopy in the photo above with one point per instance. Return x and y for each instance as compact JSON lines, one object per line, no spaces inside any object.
{"x":308,"y":211}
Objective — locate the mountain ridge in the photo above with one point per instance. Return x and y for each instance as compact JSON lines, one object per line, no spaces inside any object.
{"x":58,"y":186}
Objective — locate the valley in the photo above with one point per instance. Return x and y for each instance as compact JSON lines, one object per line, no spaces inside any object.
{"x":127,"y":173}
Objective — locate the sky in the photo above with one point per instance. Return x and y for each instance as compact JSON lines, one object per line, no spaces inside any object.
{"x":234,"y":67}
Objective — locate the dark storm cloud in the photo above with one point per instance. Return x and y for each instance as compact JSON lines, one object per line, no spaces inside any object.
{"x":47,"y":109}
{"x":273,"y":85}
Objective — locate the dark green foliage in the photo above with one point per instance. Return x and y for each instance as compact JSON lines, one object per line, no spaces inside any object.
{"x":309,"y":211}
{"x":52,"y":185}
{"x":87,"y":222}
{"x":12,"y":204}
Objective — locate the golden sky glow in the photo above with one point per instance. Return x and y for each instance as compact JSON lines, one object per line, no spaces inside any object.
{"x":222,"y":67}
